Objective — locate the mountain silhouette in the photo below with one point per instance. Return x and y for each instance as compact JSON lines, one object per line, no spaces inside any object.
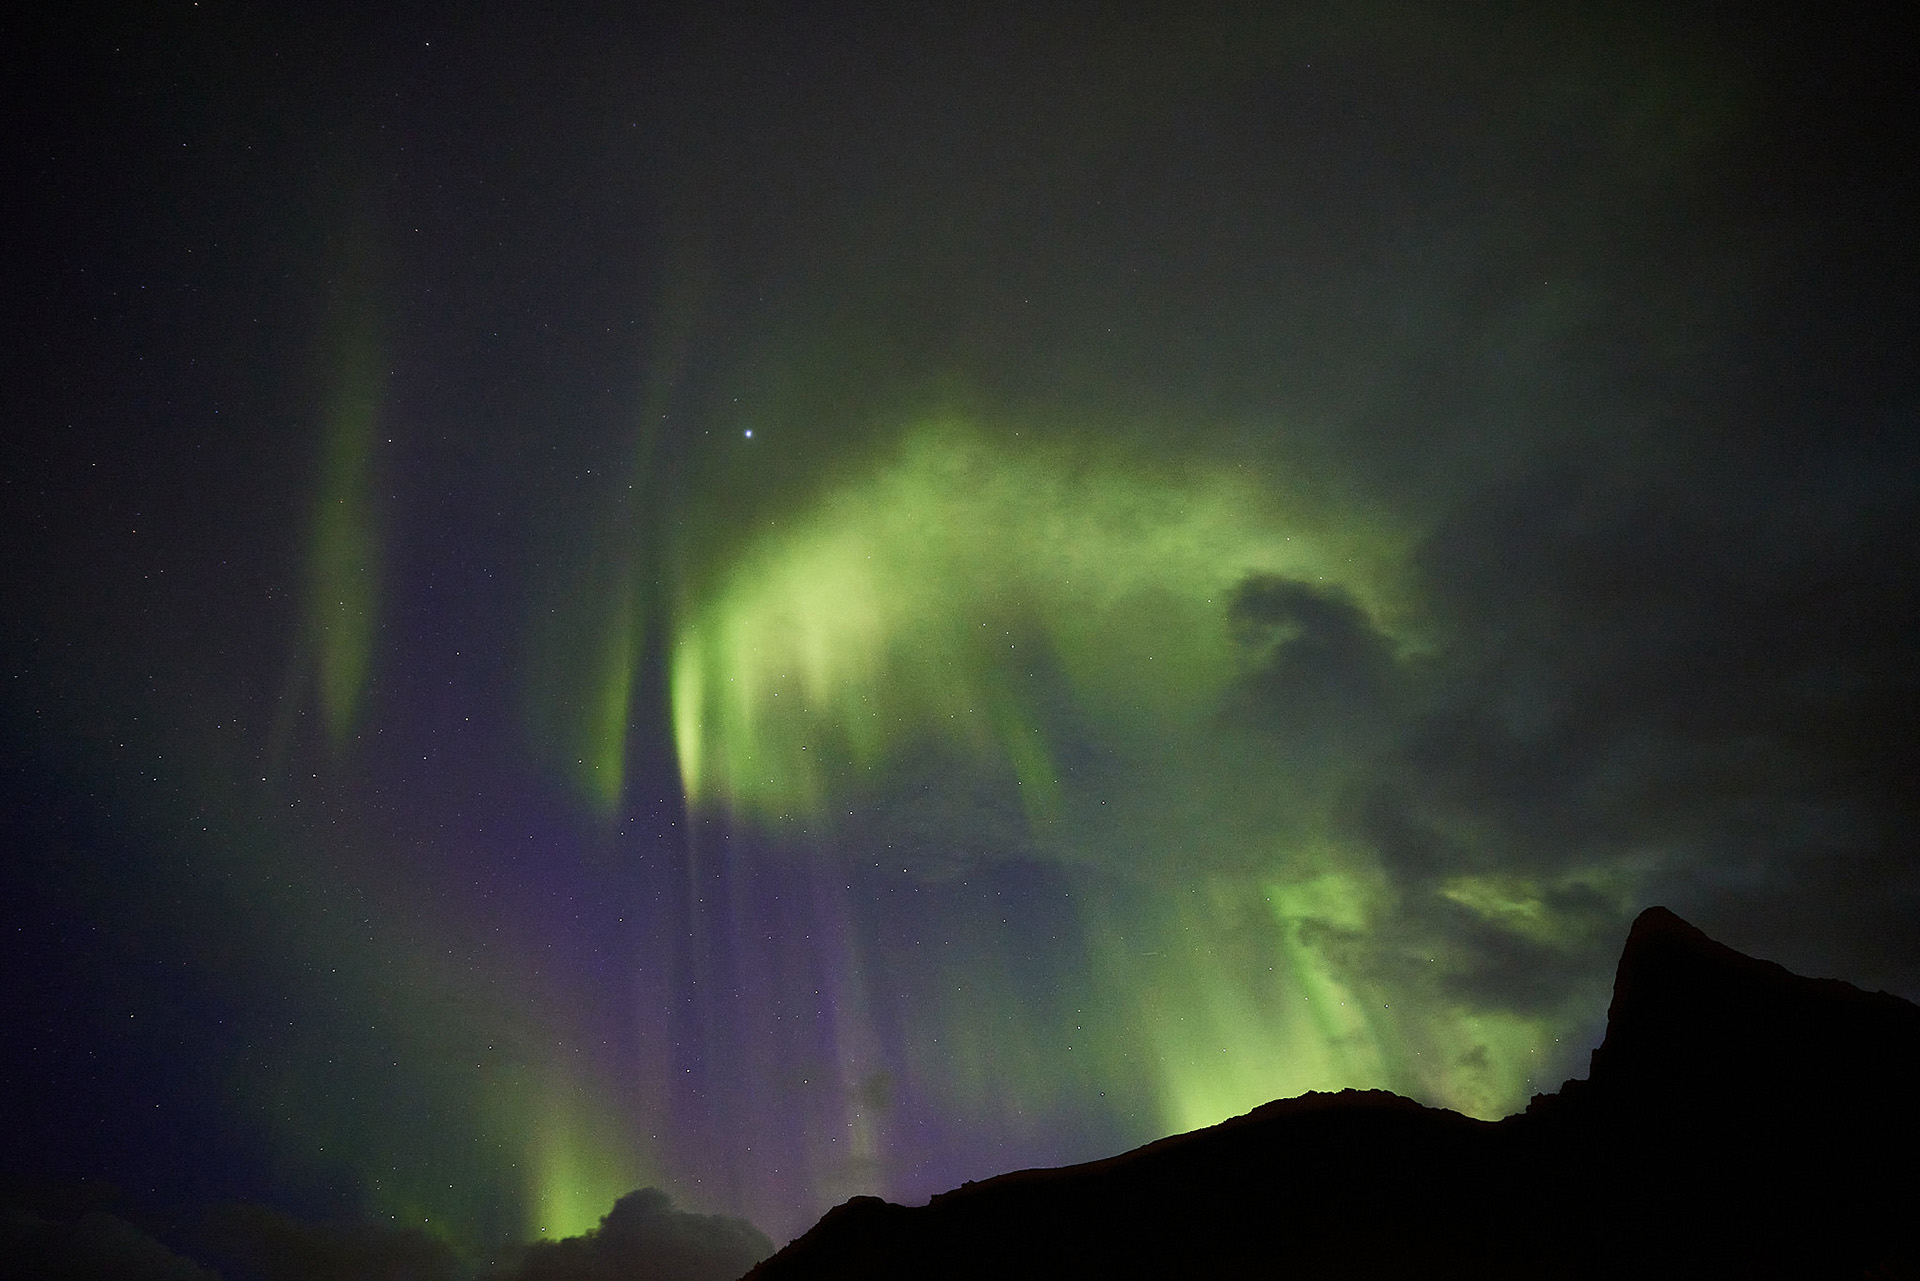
{"x":1738,"y":1121}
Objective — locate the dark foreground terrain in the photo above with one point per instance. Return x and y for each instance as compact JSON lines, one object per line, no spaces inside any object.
{"x":1739,"y":1121}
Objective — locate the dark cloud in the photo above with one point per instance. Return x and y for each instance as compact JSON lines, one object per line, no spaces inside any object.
{"x":644,"y":1238}
{"x":1322,"y":662}
{"x":1690,"y":683}
{"x":277,"y":1247}
{"x":1712,"y":678}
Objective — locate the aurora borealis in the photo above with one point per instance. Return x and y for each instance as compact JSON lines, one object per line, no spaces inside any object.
{"x":777,"y":605}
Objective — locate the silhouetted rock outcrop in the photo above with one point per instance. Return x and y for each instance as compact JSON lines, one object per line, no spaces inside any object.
{"x":1739,"y":1120}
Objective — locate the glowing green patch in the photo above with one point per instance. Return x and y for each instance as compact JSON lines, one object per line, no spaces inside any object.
{"x":1527,"y":907}
{"x":925,"y":598}
{"x":1513,"y":903}
{"x":1487,"y":1062}
{"x":1229,"y":1036}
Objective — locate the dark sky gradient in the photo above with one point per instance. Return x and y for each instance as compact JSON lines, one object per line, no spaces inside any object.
{"x":778,"y":602}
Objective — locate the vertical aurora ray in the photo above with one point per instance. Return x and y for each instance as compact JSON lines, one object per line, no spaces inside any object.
{"x":343,"y":579}
{"x":579,"y":1156}
{"x":584,"y":667}
{"x":605,"y":758}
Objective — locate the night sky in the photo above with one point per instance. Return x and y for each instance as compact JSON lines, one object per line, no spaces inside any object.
{"x":778,"y":603}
